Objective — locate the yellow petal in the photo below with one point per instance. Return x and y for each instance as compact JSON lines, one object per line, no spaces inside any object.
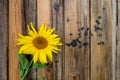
{"x":41,"y":29}
{"x":55,"y":39}
{"x":30,"y":50}
{"x":30,"y":32}
{"x":55,"y":51}
{"x":49,"y":32}
{"x":44,"y":31}
{"x":42,"y":57}
{"x":60,"y":44}
{"x":33,"y":28}
{"x":24,"y":41}
{"x":24,"y":48}
{"x":20,"y":35}
{"x":35,"y":57}
{"x":49,"y":54}
{"x":53,"y":48}
{"x":53,"y":36}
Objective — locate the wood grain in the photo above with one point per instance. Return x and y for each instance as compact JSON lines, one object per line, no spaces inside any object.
{"x":76,"y":58}
{"x":4,"y":39}
{"x":114,"y":35}
{"x":57,"y":22}
{"x":15,"y":27}
{"x":101,"y":53}
{"x":44,"y":16}
{"x":72,"y":19}
{"x":118,"y":41}
{"x":30,"y":15}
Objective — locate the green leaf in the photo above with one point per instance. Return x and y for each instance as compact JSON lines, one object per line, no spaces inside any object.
{"x":37,"y":65}
{"x":23,"y":61}
{"x":22,"y":71}
{"x":42,"y":78}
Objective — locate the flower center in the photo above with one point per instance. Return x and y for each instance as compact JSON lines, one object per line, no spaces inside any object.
{"x":40,"y":42}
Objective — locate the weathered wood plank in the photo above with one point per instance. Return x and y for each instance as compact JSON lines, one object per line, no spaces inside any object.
{"x":114,"y":46}
{"x":44,"y":16}
{"x":77,"y":27}
{"x":118,"y":41}
{"x":4,"y":39}
{"x":30,"y":15}
{"x":44,"y":12}
{"x":57,"y":22}
{"x":101,"y":42}
{"x":15,"y":27}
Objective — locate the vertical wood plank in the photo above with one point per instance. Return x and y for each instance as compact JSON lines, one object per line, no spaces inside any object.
{"x":114,"y":35}
{"x":30,"y":15}
{"x":44,"y":16}
{"x":101,"y":42}
{"x":118,"y":41}
{"x":43,"y":12}
{"x":77,"y":24}
{"x":15,"y":27}
{"x":57,"y":22}
{"x":4,"y":39}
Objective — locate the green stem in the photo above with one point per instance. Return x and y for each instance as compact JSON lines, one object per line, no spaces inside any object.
{"x":27,"y":70}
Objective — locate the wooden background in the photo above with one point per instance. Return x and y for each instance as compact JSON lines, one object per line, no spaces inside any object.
{"x":97,"y":57}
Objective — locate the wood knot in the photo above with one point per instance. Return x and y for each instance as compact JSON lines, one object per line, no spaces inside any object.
{"x":76,"y":77}
{"x":56,"y":7}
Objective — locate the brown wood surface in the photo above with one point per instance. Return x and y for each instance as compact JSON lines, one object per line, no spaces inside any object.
{"x":3,"y":39}
{"x":30,"y":15}
{"x":118,"y":41}
{"x":44,"y":16}
{"x":72,"y":19}
{"x":101,"y":54}
{"x":114,"y":32}
{"x":57,"y":22}
{"x":15,"y":27}
{"x":76,"y":59}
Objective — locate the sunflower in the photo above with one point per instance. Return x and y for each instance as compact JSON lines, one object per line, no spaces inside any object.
{"x":40,"y":44}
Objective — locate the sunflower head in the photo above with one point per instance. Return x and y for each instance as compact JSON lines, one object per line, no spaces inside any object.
{"x":40,"y":44}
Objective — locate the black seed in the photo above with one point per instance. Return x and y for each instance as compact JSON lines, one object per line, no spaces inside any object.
{"x":82,"y":28}
{"x":101,"y":43}
{"x":70,"y":34}
{"x":86,"y":33}
{"x":91,"y":34}
{"x":99,"y":17}
{"x":97,"y":28}
{"x":67,"y":44}
{"x":100,"y":35}
{"x":87,"y":29}
{"x":79,"y":34}
{"x":80,"y":46}
{"x":68,"y":20}
{"x":85,"y":43}
{"x":56,"y":61}
{"x":74,"y":43}
{"x":78,"y":40}
{"x":103,"y":8}
{"x":97,"y":22}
